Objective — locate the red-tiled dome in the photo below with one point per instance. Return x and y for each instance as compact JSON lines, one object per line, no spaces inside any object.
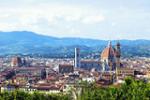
{"x":108,"y":52}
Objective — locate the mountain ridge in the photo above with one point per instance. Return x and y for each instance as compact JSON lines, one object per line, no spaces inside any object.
{"x":30,"y":32}
{"x":26,"y":42}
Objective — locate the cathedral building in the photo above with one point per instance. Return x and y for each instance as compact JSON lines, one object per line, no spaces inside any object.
{"x":110,"y":57}
{"x":110,"y":62}
{"x":16,"y":62}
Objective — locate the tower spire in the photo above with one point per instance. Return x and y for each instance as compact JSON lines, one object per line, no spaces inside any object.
{"x":109,"y":44}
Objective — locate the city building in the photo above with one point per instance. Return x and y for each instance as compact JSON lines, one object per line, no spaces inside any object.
{"x":125,"y":72}
{"x":16,"y":62}
{"x":77,"y":58}
{"x":110,"y":57}
{"x":91,"y":64}
{"x":31,"y":74}
{"x":106,"y":78}
{"x":66,"y":68}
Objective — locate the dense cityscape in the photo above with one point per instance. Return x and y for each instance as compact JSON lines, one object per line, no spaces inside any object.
{"x":54,"y":75}
{"x":74,"y":49}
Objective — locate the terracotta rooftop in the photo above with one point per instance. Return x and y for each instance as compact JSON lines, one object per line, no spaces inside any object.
{"x":107,"y":52}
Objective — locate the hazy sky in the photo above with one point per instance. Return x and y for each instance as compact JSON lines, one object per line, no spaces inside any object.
{"x":100,"y":19}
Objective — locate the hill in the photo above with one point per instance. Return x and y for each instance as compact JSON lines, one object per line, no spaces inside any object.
{"x":24,"y":42}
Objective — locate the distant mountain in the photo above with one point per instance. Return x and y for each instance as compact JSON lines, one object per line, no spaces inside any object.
{"x":24,"y":42}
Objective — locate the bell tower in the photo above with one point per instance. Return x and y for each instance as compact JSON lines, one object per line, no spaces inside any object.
{"x":118,"y":54}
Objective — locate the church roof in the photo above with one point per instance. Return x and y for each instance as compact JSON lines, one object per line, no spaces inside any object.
{"x":108,"y":52}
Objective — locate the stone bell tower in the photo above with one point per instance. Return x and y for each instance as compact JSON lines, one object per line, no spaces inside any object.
{"x":118,"y":55}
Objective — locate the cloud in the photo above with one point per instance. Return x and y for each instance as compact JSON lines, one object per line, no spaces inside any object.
{"x":48,"y":14}
{"x":92,"y":19}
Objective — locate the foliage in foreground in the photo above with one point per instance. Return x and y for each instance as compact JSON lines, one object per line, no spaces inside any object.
{"x":20,"y":95}
{"x":131,"y":90}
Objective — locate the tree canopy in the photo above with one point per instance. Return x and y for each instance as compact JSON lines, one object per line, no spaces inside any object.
{"x":130,"y":90}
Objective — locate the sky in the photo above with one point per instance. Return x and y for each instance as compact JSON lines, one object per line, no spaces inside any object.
{"x":96,"y":19}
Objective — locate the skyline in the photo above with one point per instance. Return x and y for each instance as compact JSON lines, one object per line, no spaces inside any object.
{"x":86,"y":19}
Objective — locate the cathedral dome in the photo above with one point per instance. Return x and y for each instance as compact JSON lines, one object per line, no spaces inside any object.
{"x":108,"y":52}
